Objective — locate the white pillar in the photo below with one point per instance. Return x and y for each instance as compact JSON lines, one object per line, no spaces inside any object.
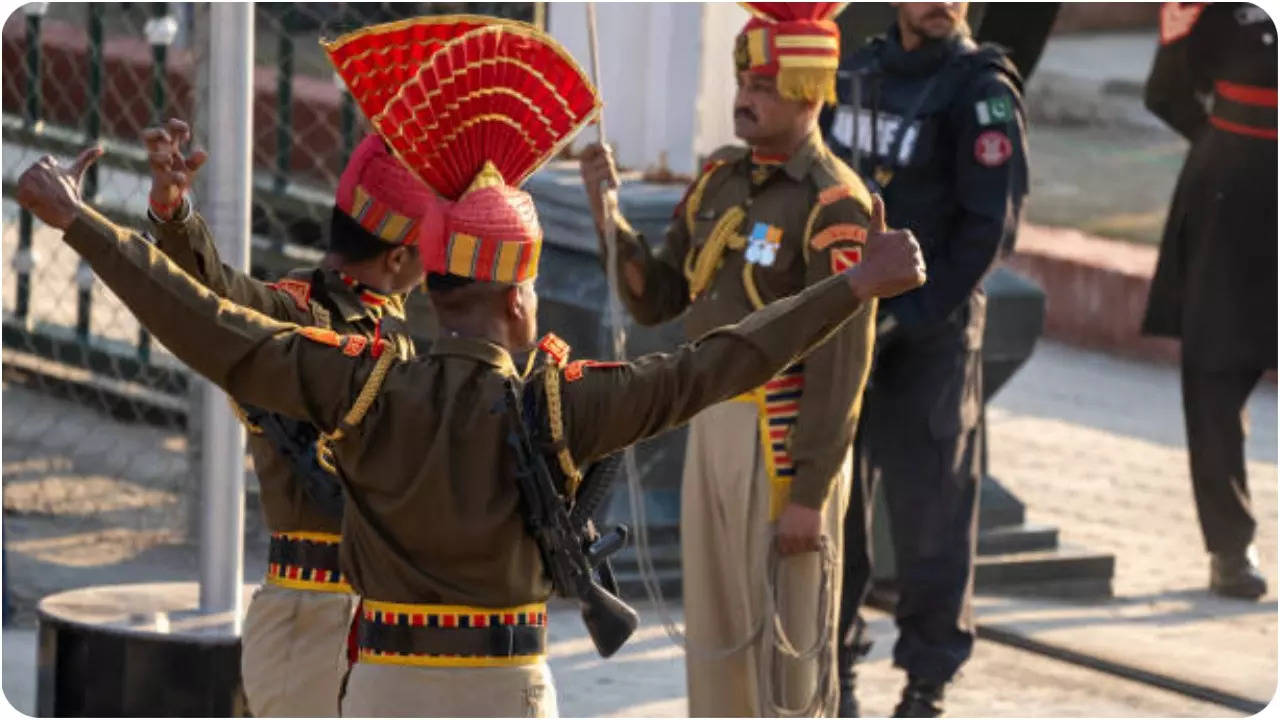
{"x":666,"y":76}
{"x":230,"y":116}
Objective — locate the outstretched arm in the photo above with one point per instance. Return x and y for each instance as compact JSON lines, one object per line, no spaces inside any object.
{"x":257,"y":360}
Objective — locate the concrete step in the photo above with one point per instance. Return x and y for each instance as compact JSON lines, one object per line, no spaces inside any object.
{"x":1066,"y":571}
{"x":1017,"y":538}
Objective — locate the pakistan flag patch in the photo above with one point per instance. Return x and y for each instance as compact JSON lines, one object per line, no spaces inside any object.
{"x":993,"y":110}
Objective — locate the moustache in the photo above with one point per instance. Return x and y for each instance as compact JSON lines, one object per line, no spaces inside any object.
{"x":745,"y":114}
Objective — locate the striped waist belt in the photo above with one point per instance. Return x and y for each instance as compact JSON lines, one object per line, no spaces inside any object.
{"x":778,"y":405}
{"x":305,"y":561}
{"x":451,"y":635}
{"x":1248,"y":110}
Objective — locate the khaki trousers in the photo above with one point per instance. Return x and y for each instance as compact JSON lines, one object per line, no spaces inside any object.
{"x":725,"y":540}
{"x":294,"y":651}
{"x":375,"y":690}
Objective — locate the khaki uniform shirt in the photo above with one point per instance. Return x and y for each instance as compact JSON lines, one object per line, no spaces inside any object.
{"x":805,"y":217}
{"x":432,"y":512}
{"x":295,"y":298}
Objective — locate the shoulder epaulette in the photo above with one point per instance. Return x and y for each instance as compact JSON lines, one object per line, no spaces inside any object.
{"x":352,"y":345}
{"x":298,"y":289}
{"x":835,"y":181}
{"x":557,"y":350}
{"x":576,"y":369}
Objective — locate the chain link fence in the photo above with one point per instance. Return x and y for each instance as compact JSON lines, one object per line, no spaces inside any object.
{"x":98,"y":418}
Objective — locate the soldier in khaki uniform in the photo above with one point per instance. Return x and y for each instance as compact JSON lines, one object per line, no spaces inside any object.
{"x":434,"y":539}
{"x":294,"y":655}
{"x":760,"y":224}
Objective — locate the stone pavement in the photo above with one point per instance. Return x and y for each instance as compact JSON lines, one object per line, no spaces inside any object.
{"x":1095,"y":445}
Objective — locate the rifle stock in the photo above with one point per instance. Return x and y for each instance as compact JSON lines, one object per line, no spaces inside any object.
{"x":570,"y":548}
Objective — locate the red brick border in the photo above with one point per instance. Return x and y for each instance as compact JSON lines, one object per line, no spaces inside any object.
{"x":1096,"y":290}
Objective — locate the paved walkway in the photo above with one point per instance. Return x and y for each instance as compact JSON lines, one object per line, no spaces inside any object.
{"x":1095,"y":445}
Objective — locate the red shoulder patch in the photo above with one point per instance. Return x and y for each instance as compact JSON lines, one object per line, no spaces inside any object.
{"x":555,"y":348}
{"x":844,"y":258}
{"x":992,"y":148}
{"x":299,"y":290}
{"x":1177,"y":19}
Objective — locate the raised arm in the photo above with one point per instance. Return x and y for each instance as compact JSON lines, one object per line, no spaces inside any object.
{"x":181,"y":233}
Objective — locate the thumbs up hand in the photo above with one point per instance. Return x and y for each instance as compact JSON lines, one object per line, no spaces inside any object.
{"x":891,"y":261}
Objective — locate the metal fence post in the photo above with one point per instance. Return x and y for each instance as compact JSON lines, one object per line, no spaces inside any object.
{"x":24,"y":260}
{"x":92,"y":131}
{"x":230,"y":187}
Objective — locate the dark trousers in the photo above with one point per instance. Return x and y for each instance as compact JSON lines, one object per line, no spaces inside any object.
{"x":1213,"y":402}
{"x":918,"y":434}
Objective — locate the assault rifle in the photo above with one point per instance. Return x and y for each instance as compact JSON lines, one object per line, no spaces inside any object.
{"x":573,"y":553}
{"x":296,"y":442}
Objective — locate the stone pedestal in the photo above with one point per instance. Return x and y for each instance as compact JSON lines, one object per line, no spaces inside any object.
{"x":140,"y":650}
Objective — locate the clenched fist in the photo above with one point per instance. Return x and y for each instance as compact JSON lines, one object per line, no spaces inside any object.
{"x":52,"y":192}
{"x":171,"y":172}
{"x":891,"y":261}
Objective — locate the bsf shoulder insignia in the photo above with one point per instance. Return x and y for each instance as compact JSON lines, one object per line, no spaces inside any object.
{"x":763,"y":244}
{"x":992,"y":148}
{"x":843,"y":232}
{"x":843,"y":258}
{"x":299,"y":290}
{"x":994,"y":110}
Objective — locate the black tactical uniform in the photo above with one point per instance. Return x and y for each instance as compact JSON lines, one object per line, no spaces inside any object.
{"x":940,"y":131}
{"x":1214,"y":81}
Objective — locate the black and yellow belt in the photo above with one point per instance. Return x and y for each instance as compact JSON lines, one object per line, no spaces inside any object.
{"x":451,"y":635}
{"x":305,"y":561}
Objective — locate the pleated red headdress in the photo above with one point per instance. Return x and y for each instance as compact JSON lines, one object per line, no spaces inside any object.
{"x":472,"y":106}
{"x":798,"y":43}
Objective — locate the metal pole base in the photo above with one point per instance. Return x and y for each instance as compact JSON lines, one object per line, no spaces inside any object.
{"x":141,"y":650}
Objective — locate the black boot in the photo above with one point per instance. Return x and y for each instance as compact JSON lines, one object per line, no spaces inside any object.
{"x":847,"y":659}
{"x":1237,"y":575}
{"x":920,"y":699}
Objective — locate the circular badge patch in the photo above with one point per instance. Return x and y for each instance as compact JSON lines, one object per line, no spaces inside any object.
{"x":992,"y":148}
